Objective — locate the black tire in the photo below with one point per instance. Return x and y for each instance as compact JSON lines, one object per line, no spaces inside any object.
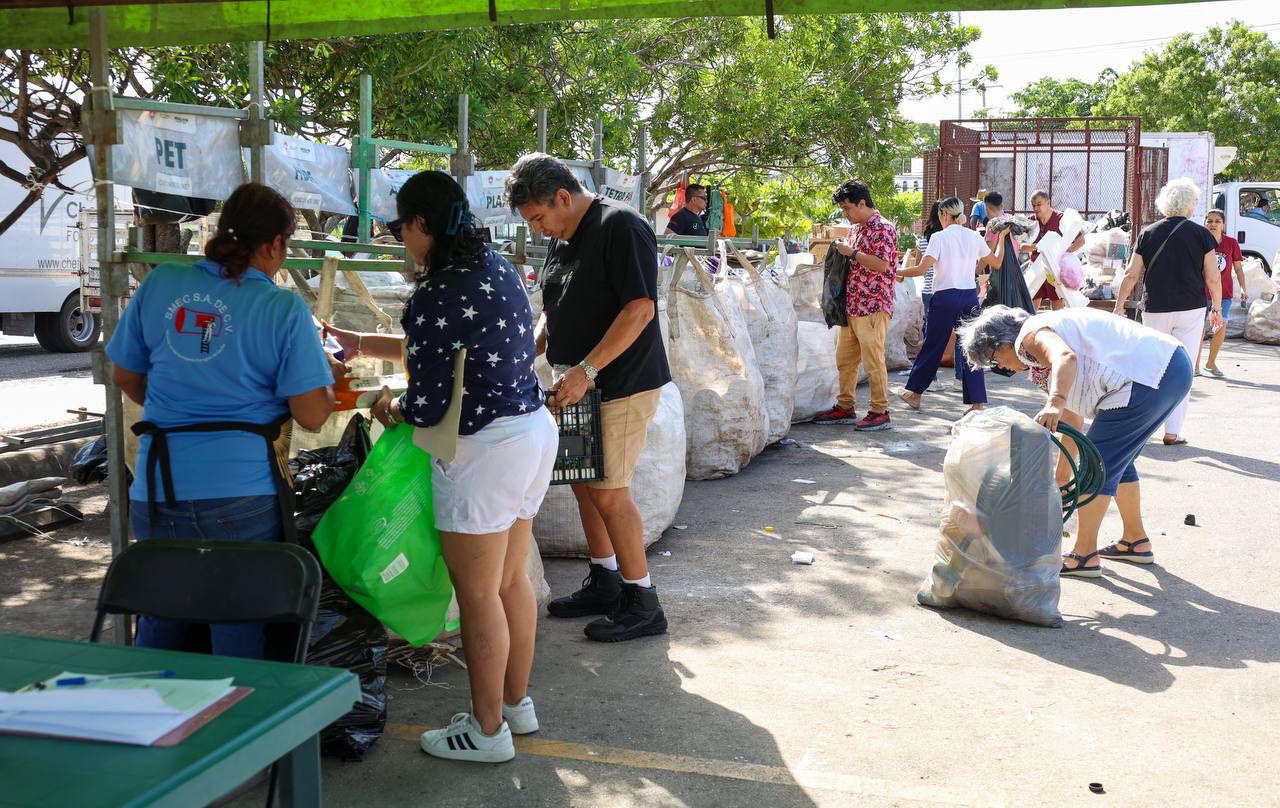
{"x":69,"y":330}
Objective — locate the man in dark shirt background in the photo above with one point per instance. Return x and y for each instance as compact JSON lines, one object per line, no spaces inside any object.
{"x":690,"y":220}
{"x":600,"y":298}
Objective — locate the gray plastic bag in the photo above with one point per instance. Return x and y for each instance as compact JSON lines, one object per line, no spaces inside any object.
{"x":1001,"y":535}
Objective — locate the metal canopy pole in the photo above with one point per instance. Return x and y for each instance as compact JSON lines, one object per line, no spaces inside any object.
{"x":103,"y":134}
{"x":259,"y":135}
{"x":463,"y":163}
{"x":642,"y":160}
{"x":542,"y":130}
{"x":597,"y":154}
{"x":365,"y":159}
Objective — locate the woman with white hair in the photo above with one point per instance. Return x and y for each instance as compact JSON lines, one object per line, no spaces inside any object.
{"x":1177,"y":260}
{"x":956,"y":255}
{"x":1124,"y":376}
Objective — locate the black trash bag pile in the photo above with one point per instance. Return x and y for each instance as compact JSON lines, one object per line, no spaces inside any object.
{"x":90,"y":463}
{"x":344,"y":634}
{"x":1007,"y":287}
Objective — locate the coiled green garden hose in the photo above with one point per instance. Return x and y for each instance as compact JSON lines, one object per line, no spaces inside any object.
{"x":1087,"y":475}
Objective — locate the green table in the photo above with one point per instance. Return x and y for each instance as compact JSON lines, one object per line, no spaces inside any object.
{"x":280,"y":720}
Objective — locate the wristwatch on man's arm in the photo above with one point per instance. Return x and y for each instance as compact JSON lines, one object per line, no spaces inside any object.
{"x":591,"y":372}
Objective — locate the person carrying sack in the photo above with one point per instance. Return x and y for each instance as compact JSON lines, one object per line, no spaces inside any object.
{"x":220,"y":358}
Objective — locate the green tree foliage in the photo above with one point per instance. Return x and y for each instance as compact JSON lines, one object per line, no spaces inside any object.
{"x":783,"y":119}
{"x":1226,"y":81}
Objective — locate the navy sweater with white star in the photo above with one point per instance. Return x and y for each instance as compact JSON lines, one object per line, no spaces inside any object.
{"x":479,"y":304}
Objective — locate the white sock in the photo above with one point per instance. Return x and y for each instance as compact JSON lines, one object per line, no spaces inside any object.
{"x":610,"y":563}
{"x":644,"y":582}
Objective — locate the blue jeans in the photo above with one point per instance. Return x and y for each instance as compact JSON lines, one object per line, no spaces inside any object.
{"x":1121,"y":434}
{"x":947,"y":308}
{"x":928,"y":298}
{"x":255,"y":518}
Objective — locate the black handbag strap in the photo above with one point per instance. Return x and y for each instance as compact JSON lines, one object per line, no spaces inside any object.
{"x":158,"y":457}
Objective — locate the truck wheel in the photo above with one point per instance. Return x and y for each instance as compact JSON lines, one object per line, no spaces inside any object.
{"x":71,"y":330}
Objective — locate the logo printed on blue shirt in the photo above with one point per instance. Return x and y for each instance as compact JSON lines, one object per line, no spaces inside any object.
{"x":202,"y":315}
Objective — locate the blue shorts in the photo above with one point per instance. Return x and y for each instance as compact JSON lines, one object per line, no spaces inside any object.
{"x":1121,"y":434}
{"x":1226,"y":311}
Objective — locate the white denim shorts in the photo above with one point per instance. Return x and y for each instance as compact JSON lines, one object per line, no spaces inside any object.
{"x":499,"y":475}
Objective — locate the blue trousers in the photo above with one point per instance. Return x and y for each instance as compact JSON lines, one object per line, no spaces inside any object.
{"x":255,"y":518}
{"x":927,"y":300}
{"x":947,"y":308}
{"x":1120,"y":435}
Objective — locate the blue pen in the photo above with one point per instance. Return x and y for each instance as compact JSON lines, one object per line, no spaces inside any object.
{"x":72,"y":681}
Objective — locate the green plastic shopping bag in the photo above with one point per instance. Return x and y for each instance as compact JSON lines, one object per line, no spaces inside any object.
{"x":379,"y":541}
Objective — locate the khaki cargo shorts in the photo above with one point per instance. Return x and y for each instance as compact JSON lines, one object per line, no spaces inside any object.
{"x":624,"y":424}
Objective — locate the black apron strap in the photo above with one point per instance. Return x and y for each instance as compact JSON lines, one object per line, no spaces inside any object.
{"x":158,"y":456}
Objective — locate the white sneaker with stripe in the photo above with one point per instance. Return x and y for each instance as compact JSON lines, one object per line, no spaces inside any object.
{"x":463,"y":740}
{"x":520,"y":717}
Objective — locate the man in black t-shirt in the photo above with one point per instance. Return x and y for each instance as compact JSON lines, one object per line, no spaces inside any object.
{"x":690,"y":220}
{"x":600,"y":298}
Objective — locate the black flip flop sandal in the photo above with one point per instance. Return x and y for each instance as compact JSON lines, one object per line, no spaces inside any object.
{"x":1081,"y":571}
{"x":1123,"y":550}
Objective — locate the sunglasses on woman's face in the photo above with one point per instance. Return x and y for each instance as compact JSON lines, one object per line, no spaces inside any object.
{"x":1001,"y":371}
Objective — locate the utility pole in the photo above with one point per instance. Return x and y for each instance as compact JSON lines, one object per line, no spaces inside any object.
{"x":959,"y":80}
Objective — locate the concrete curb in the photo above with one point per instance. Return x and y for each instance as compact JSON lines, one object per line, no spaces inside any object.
{"x":43,"y":461}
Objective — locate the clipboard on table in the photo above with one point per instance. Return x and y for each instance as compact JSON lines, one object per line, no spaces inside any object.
{"x":441,"y":439}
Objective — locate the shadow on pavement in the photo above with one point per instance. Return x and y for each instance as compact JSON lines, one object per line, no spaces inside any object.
{"x":1192,"y":627}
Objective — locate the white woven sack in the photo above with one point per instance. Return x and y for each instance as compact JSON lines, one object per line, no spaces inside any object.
{"x":906,"y":327}
{"x":657,"y":488}
{"x":1263,"y":325}
{"x":806,"y":292}
{"x":714,"y":365}
{"x":817,"y":380}
{"x":771,"y":325}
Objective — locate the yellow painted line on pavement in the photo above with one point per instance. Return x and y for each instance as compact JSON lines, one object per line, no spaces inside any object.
{"x":729,"y":769}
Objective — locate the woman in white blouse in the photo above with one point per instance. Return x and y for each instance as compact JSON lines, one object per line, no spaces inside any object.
{"x":1125,"y":376}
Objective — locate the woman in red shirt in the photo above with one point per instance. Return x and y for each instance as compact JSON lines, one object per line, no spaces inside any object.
{"x":1230,"y":259}
{"x":1050,"y":222}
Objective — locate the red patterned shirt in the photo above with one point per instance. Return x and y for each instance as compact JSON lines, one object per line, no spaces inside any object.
{"x":870,"y":292}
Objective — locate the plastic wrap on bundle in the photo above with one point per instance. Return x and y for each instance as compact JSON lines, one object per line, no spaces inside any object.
{"x":344,"y":634}
{"x":1000,"y":538}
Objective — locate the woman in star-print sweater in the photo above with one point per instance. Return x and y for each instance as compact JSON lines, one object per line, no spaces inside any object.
{"x":486,"y":497}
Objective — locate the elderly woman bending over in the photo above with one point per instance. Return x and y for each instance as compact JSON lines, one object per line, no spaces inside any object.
{"x":1125,"y":376}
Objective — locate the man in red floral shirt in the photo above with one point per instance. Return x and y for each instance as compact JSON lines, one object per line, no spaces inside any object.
{"x":872,"y":251}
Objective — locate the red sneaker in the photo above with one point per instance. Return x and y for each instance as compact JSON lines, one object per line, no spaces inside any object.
{"x":836,"y":415}
{"x":874,"y":422}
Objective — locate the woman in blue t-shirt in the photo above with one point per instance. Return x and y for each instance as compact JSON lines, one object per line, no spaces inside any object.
{"x":486,"y":497}
{"x":219,"y":347}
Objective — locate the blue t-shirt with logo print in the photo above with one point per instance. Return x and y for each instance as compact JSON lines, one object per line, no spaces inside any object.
{"x":216,"y":350}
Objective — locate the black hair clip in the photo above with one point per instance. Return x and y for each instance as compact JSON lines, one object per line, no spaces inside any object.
{"x":456,"y":212}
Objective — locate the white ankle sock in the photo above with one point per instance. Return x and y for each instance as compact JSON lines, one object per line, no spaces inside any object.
{"x":644,"y":582}
{"x":610,"y":563}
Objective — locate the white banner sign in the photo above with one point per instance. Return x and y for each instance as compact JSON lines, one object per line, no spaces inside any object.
{"x":312,"y":176}
{"x":487,"y":195}
{"x":621,"y":187}
{"x":385,"y":184}
{"x":176,"y":153}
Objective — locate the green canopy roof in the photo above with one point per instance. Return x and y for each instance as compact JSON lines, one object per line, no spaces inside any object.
{"x":34,"y":24}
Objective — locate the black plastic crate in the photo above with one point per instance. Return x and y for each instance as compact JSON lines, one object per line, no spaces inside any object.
{"x":580,"y":457}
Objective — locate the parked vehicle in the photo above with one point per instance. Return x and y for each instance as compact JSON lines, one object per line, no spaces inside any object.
{"x":40,"y":260}
{"x":1258,"y":233}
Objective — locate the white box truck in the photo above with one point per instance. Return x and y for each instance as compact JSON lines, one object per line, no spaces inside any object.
{"x":1255,"y":227}
{"x":40,"y":259}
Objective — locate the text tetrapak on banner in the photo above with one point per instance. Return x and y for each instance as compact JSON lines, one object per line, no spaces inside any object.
{"x":486,"y":193}
{"x":176,"y":153}
{"x":385,"y":184}
{"x":312,"y":176}
{"x":621,"y":187}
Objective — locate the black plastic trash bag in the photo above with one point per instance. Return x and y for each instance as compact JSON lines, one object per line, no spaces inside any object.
{"x":344,"y":634}
{"x":90,"y":463}
{"x":1007,"y":287}
{"x":835,"y":296}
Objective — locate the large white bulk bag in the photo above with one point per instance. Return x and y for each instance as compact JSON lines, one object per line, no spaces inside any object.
{"x":817,"y":380}
{"x":806,"y":292}
{"x":714,"y":365}
{"x":906,"y":327}
{"x":657,"y":488}
{"x":1263,"y":325}
{"x":771,"y":325}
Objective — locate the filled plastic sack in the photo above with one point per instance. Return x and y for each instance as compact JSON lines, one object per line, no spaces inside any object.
{"x":1001,"y":533}
{"x":905,"y":334}
{"x":90,"y":462}
{"x":379,"y":540}
{"x":714,"y":365}
{"x":1007,"y":286}
{"x":1263,"y":324}
{"x":771,"y":325}
{"x":805,"y":286}
{"x":344,"y":635}
{"x":657,"y":487}
{"x":835,"y":285}
{"x":817,"y":379}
